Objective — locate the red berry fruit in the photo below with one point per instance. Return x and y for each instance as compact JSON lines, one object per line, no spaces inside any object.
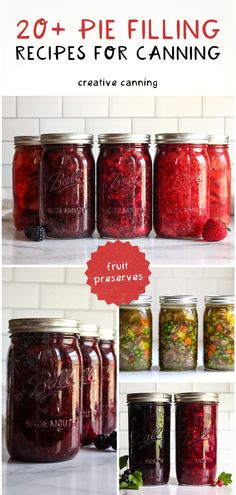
{"x":214,"y":230}
{"x":214,"y":483}
{"x":220,"y":483}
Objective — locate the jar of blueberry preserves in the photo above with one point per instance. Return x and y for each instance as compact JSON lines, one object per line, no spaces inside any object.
{"x":107,"y":349}
{"x":220,"y":177}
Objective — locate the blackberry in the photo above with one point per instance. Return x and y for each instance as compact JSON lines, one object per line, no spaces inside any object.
{"x":102,"y":442}
{"x":127,"y":472}
{"x":113,"y":440}
{"x":35,"y":233}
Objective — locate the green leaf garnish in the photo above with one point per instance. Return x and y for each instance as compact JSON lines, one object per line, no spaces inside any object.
{"x":123,"y":461}
{"x":226,"y":478}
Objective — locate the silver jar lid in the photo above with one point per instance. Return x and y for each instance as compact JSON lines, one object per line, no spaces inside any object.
{"x":178,"y":300}
{"x":124,"y":138}
{"x":106,"y":333}
{"x":218,"y":139}
{"x":88,"y":330}
{"x":143,"y":300}
{"x":67,"y":138}
{"x":45,"y":325}
{"x":219,"y":300}
{"x":181,"y":138}
{"x":27,"y":140}
{"x":145,"y":397}
{"x":196,"y":397}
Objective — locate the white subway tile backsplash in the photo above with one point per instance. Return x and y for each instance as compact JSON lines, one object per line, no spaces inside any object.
{"x":155,"y":125}
{"x":205,"y":125}
{"x":38,"y":313}
{"x":132,"y":106}
{"x":137,"y":387}
{"x":211,"y":387}
{"x":39,"y":276}
{"x":103,"y":319}
{"x":62,"y":125}
{"x":85,"y":106}
{"x":20,"y":295}
{"x":18,"y":127}
{"x":7,"y":274}
{"x":100,"y":126}
{"x":218,"y":106}
{"x":39,"y":106}
{"x":7,"y":314}
{"x":178,"y":106}
{"x":9,"y":106}
{"x":230,"y":128}
{"x":75,"y":276}
{"x":64,"y":296}
{"x":101,"y":305}
{"x":7,"y":152}
{"x":7,"y":176}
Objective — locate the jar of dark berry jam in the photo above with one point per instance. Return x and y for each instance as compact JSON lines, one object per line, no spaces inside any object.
{"x":149,"y":436}
{"x":220,"y":177}
{"x":25,"y":175}
{"x":196,"y":438}
{"x":178,"y":333}
{"x":92,"y":383}
{"x":124,"y":186}
{"x":219,"y":333}
{"x":181,"y":185}
{"x":68,"y":185}
{"x":107,"y":349}
{"x":44,"y":404}
{"x":136,"y":335}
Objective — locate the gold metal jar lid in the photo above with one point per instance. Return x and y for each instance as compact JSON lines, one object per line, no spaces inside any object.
{"x":27,"y":140}
{"x":181,"y":300}
{"x":67,"y":138}
{"x":43,"y":325}
{"x":190,"y":397}
{"x":181,"y":138}
{"x":124,"y":138}
{"x":218,"y":139}
{"x":147,"y":397}
{"x":143,"y":300}
{"x":219,"y":300}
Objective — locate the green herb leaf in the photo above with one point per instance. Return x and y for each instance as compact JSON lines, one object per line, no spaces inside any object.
{"x":226,"y":478}
{"x":123,"y":485}
{"x":123,"y":461}
{"x":138,"y":478}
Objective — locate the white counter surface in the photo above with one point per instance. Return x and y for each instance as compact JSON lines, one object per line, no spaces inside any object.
{"x":173,"y":489}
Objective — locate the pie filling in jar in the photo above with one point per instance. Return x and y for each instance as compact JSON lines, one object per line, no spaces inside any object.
{"x":92,"y":383}
{"x":124,"y":186}
{"x":181,"y":185}
{"x":25,"y":174}
{"x":107,"y":349}
{"x":149,"y":436}
{"x":44,"y":390}
{"x":220,"y":177}
{"x":67,"y":183}
{"x":219,"y":333}
{"x":136,"y":335}
{"x":196,"y":438}
{"x":178,"y":333}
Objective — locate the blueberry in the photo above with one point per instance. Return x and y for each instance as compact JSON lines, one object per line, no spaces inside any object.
{"x":102,"y":442}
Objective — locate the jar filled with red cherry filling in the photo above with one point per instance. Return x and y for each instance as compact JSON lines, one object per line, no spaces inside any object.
{"x":107,"y":349}
{"x":181,"y":185}
{"x":92,"y":383}
{"x":196,"y":438}
{"x":44,"y":404}
{"x":124,"y":186}
{"x":68,"y":185}
{"x":220,"y":177}
{"x":25,"y":175}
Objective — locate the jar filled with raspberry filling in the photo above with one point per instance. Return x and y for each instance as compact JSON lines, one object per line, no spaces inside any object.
{"x":25,"y":175}
{"x":220,"y":177}
{"x":44,"y":403}
{"x":92,"y":383}
{"x":68,"y":185}
{"x":124,"y":186}
{"x":181,"y":185}
{"x":107,"y":349}
{"x":196,"y":438}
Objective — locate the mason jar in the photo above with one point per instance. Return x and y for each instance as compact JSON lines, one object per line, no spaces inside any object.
{"x":108,"y":353}
{"x":220,"y":177}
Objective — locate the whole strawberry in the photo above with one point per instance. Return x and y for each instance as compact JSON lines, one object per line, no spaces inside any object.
{"x":214,"y":230}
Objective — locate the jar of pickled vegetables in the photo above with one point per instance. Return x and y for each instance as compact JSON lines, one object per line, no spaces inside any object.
{"x":181,"y":185}
{"x":136,"y":335}
{"x":196,"y":438}
{"x":219,"y":333}
{"x":149,"y":436}
{"x":107,"y":349}
{"x":220,"y":177}
{"x":25,"y":175}
{"x":67,"y":185}
{"x":178,"y":333}
{"x":124,"y":186}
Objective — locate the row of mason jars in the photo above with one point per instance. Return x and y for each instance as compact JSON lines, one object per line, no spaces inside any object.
{"x":61,"y":388}
{"x":196,"y":437}
{"x":54,"y":183}
{"x":178,"y":333}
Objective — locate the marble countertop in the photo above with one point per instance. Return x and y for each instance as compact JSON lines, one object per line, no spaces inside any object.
{"x":16,"y":250}
{"x":173,"y":489}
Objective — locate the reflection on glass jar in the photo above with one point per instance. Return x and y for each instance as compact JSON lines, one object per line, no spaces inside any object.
{"x":136,"y":335}
{"x":196,"y":438}
{"x":220,"y":177}
{"x":178,"y":333}
{"x":149,"y":436}
{"x":25,"y":174}
{"x":44,"y":390}
{"x":181,"y":185}
{"x":68,"y":185}
{"x":219,"y":333}
{"x":107,"y":349}
{"x":124,"y":186}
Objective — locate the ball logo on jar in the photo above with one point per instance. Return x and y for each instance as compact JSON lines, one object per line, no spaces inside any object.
{"x":120,"y":182}
{"x":44,"y":384}
{"x":142,"y":439}
{"x":191,"y":438}
{"x":60,"y":181}
{"x":89,"y":375}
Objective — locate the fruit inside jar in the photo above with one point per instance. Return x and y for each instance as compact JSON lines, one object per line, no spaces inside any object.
{"x":219,"y":333}
{"x":107,"y":349}
{"x":220,"y":178}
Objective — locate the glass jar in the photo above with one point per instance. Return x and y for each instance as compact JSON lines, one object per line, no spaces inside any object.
{"x":124,"y":186}
{"x":44,"y":403}
{"x":107,"y":349}
{"x":196,"y":438}
{"x":149,"y":436}
{"x":92,"y":383}
{"x":219,"y":333}
{"x":178,"y":333}
{"x":136,"y":335}
{"x":181,"y":185}
{"x":220,"y":177}
{"x":68,"y":185}
{"x":25,"y":175}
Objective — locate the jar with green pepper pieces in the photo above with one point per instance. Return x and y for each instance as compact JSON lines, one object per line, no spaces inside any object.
{"x":136,"y":335}
{"x":178,"y":333}
{"x":219,"y":333}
